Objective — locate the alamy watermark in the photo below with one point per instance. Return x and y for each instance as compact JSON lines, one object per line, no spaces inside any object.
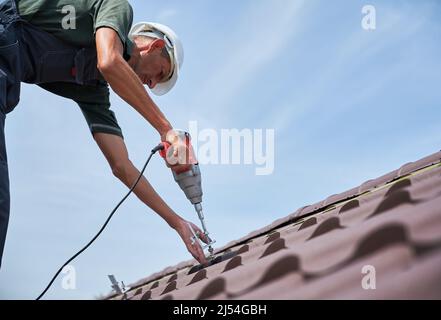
{"x":369,"y":19}
{"x":224,"y":146}
{"x":234,"y":146}
{"x":69,"y":21}
{"x":69,"y":280}
{"x":369,"y":280}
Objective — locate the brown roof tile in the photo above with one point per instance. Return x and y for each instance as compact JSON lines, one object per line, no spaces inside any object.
{"x":392,"y":223}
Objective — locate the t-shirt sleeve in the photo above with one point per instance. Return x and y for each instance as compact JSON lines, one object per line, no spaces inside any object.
{"x":118,"y":15}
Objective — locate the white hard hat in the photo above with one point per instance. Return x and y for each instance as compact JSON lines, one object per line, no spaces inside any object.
{"x":173,"y":46}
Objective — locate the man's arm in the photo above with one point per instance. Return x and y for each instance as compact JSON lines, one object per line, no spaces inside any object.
{"x":124,"y":81}
{"x":115,"y":151}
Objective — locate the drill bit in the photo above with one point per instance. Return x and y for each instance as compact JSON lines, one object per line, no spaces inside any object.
{"x":198,"y":208}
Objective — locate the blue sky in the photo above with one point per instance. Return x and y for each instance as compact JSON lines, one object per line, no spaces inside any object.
{"x":346,"y":104}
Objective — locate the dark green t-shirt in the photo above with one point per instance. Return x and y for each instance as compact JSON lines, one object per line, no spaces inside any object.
{"x":76,"y":22}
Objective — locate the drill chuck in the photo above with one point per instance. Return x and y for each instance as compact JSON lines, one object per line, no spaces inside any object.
{"x":190,"y":182}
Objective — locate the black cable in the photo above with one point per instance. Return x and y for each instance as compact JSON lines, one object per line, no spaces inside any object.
{"x":156,"y":149}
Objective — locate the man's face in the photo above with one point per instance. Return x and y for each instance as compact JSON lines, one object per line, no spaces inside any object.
{"x":153,"y":67}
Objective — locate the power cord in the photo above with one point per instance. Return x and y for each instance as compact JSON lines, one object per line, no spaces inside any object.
{"x":154,"y":150}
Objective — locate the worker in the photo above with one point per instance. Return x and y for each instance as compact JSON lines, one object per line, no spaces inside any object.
{"x":77,"y":49}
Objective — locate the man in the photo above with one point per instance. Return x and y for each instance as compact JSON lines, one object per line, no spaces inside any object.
{"x":76,"y":49}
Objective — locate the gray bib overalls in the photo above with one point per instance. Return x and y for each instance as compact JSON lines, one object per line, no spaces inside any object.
{"x":30,"y":55}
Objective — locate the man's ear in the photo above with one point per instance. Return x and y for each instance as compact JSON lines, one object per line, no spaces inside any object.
{"x":156,"y":44}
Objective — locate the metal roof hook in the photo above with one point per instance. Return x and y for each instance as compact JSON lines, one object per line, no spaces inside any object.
{"x":117,"y":288}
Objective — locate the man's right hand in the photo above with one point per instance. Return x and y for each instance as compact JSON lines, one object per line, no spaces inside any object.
{"x":180,"y":154}
{"x":184,"y":231}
